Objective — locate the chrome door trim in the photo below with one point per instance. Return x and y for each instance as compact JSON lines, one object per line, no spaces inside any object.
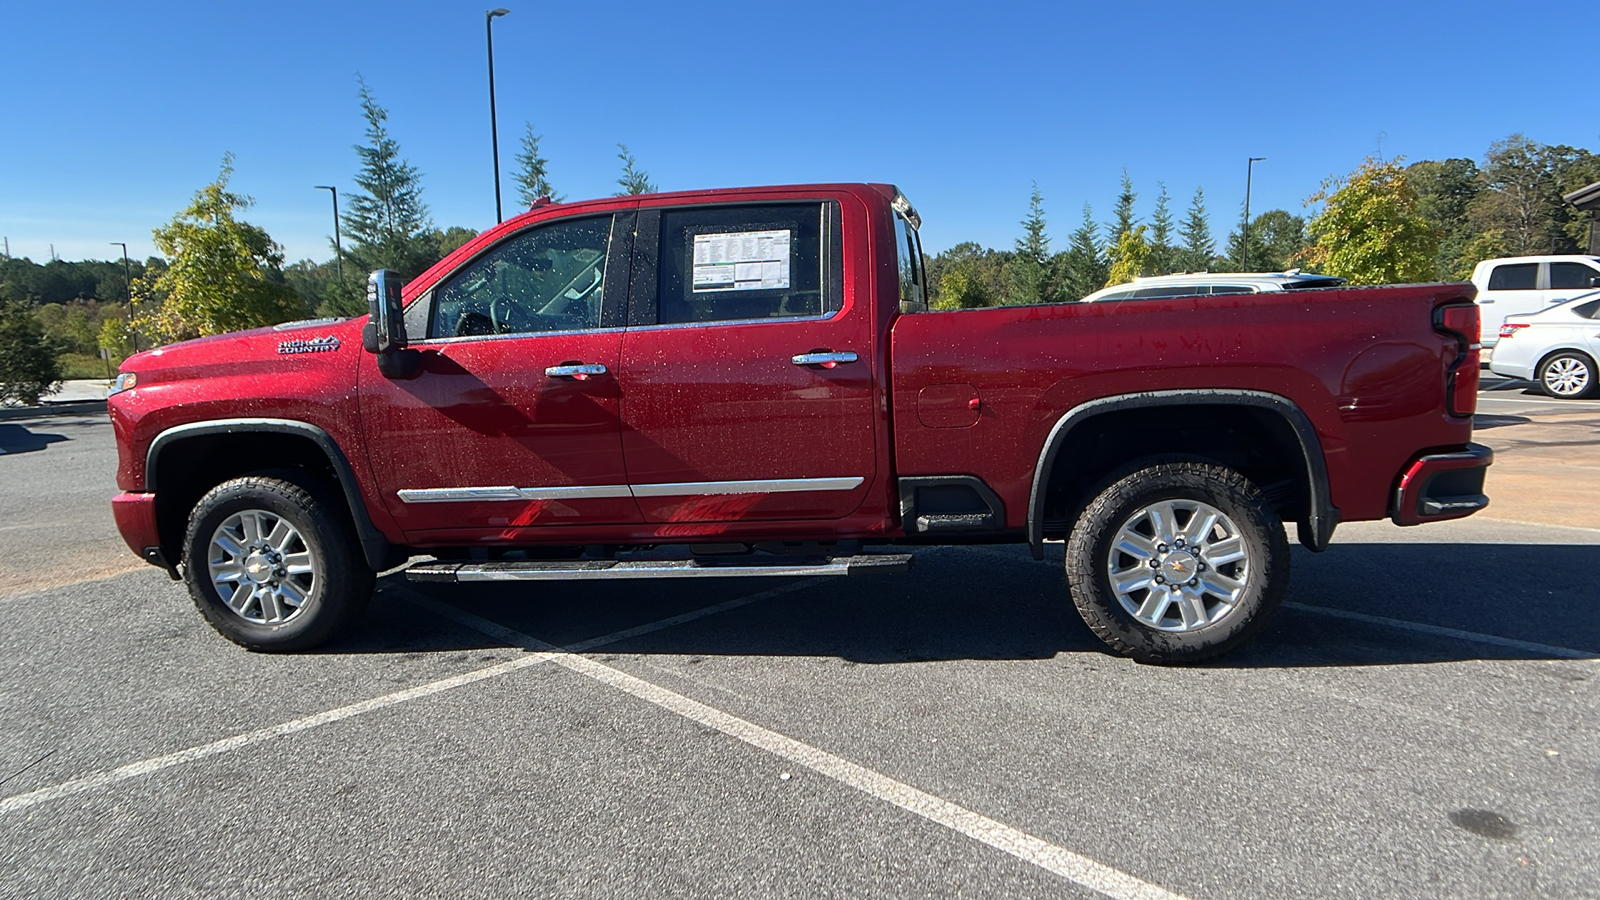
{"x":509,"y":492}
{"x":613,"y":491}
{"x":766,"y":486}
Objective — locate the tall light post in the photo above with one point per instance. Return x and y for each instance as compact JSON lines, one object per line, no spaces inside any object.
{"x":1244,"y":245}
{"x":338,"y":246}
{"x":494,"y":128}
{"x":127,"y":280}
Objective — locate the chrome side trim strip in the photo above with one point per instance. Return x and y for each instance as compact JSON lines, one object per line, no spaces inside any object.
{"x":613,"y":491}
{"x":772,"y":486}
{"x":509,"y":492}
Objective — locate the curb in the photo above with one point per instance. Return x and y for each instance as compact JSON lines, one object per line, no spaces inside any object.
{"x":69,"y":408}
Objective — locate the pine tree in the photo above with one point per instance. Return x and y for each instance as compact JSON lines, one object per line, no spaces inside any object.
{"x":1034,"y":243}
{"x":1129,"y":257}
{"x":1163,"y":256}
{"x":634,"y":180}
{"x":1084,"y":266}
{"x":1198,"y":247}
{"x":387,"y":223}
{"x":532,"y":175}
{"x":1125,"y":219}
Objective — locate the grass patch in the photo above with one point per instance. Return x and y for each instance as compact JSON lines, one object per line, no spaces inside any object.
{"x":85,"y":365}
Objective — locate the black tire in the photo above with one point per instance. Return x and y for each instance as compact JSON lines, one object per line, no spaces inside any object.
{"x":1568,"y":375}
{"x":1169,"y":634}
{"x":332,"y":591}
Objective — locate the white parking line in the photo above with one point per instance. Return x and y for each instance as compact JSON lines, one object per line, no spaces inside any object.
{"x":1475,"y":637}
{"x":1074,"y":867}
{"x":239,"y":741}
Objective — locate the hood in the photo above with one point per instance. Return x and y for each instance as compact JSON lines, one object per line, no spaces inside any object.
{"x":258,"y":349}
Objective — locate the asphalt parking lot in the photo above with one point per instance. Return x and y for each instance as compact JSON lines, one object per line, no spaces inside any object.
{"x":1423,"y":720}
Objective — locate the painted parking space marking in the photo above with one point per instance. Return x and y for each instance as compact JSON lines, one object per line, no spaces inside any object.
{"x":1440,"y":631}
{"x":250,"y":738}
{"x":1080,"y":870}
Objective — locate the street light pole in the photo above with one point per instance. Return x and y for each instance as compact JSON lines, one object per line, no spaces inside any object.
{"x":338,"y":246}
{"x":1244,"y":245}
{"x":127,"y":281}
{"x":494,"y":128}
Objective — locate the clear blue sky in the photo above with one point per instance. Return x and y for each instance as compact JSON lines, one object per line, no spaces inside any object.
{"x":114,"y":113}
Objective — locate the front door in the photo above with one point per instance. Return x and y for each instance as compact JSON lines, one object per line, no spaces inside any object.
{"x":747,"y":378}
{"x":510,"y":431}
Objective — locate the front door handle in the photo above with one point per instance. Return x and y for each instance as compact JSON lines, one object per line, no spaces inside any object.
{"x":579,"y":371}
{"x":824,"y":358}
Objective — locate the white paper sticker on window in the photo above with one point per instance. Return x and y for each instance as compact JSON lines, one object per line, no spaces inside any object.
{"x":741,"y":261}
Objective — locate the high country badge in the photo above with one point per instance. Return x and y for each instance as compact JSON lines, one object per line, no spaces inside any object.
{"x":309,"y":345}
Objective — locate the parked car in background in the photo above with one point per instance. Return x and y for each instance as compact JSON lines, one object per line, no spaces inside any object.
{"x":1205,"y":283}
{"x":1556,"y":347}
{"x":1523,"y":285}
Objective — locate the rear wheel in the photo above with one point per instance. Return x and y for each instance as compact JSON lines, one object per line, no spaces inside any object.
{"x":273,"y":566}
{"x":1177,"y":561}
{"x":1568,"y":375}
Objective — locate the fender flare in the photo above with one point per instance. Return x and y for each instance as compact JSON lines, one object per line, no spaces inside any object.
{"x":375,"y":547}
{"x":1314,"y":532}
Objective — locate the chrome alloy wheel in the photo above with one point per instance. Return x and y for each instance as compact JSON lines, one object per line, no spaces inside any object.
{"x":261,"y":567}
{"x":1179,"y":565}
{"x":1566,"y":377}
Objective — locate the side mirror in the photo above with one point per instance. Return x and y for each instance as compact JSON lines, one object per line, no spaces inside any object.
{"x":1594,"y":282}
{"x":385,"y":331}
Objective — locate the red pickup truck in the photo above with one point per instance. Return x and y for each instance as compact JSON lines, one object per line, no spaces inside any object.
{"x":750,"y":382}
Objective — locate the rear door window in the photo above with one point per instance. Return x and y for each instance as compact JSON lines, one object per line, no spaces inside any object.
{"x":748,"y":262}
{"x":1232,"y":289}
{"x":1514,"y":277}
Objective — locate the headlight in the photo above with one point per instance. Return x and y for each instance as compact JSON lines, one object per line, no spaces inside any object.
{"x":125,"y":382}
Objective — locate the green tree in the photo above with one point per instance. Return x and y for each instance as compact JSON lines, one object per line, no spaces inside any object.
{"x":532,"y":172}
{"x":452,"y":239}
{"x":634,"y":180}
{"x":1028,"y":272}
{"x":1445,"y":191}
{"x":1164,"y":257}
{"x":1083,"y":266}
{"x":1369,"y":230}
{"x":1129,"y":257}
{"x":223,"y":275}
{"x":28,"y":367}
{"x":1278,"y":241}
{"x":386,"y":222}
{"x":963,"y":287}
{"x":1123,"y":219}
{"x":1198,"y":247}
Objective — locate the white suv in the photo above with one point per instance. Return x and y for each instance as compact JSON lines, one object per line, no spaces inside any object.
{"x":1204,"y":283}
{"x":1522,"y":285}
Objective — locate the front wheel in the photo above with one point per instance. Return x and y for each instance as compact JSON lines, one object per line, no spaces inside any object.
{"x":1569,"y":376}
{"x":273,"y":566}
{"x":1177,"y":561}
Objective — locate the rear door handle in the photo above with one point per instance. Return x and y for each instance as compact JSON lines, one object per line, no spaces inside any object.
{"x":579,"y":371}
{"x":827,"y":358}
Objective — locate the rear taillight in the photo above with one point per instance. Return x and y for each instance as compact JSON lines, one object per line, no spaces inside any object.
{"x":1461,"y":386}
{"x":1511,"y":328}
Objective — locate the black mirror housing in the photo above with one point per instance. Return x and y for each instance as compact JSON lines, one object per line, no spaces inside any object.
{"x":385,"y":331}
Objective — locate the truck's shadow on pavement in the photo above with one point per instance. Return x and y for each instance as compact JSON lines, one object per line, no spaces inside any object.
{"x":999,"y":604}
{"x":16,"y":439}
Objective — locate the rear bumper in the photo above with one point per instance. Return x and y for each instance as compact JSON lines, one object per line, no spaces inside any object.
{"x":1436,"y":487}
{"x":135,"y":514}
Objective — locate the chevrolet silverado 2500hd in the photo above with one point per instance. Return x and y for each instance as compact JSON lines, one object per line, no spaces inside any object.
{"x":747,"y":382}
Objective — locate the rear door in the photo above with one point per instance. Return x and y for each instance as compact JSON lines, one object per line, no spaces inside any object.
{"x":1513,"y":290}
{"x":747,"y":376}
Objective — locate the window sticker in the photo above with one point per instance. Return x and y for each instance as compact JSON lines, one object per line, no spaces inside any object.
{"x":741,"y":261}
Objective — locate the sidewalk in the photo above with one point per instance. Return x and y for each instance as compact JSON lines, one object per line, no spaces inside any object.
{"x":86,"y":395}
